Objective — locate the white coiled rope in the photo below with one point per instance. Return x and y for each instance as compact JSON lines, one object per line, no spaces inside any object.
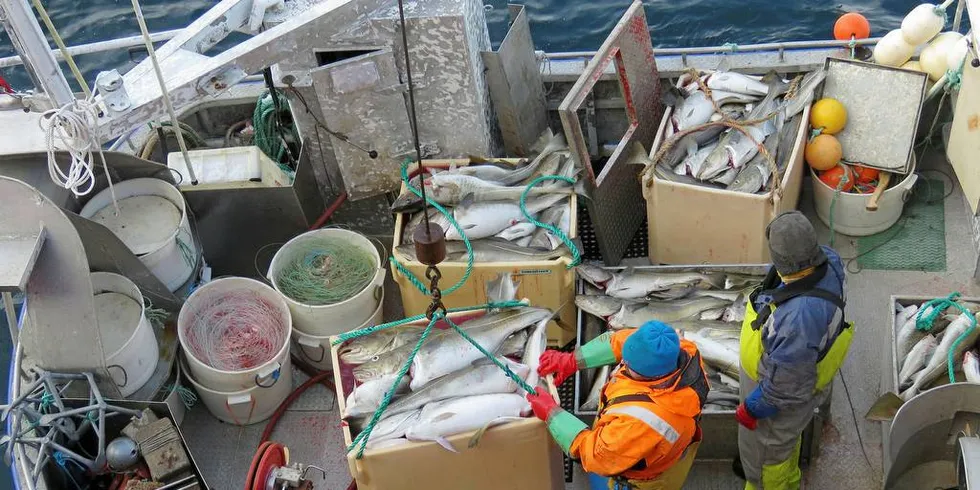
{"x":73,"y":128}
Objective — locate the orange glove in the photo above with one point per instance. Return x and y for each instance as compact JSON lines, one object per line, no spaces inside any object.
{"x":561,"y":364}
{"x":542,"y":403}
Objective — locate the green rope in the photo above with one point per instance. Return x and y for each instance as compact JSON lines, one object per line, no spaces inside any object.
{"x":733,"y":47}
{"x":853,"y":45}
{"x":954,"y":78}
{"x":325,"y":271}
{"x":939,"y":305}
{"x":156,"y":316}
{"x":510,"y":374}
{"x":267,"y":137}
{"x":187,"y":397}
{"x":576,"y":254}
{"x":185,"y":252}
{"x":459,"y":229}
{"x":353,"y":334}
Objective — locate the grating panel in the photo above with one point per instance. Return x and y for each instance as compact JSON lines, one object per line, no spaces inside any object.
{"x":637,"y":247}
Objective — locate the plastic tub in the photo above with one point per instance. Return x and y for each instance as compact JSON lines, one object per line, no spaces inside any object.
{"x":153,"y":224}
{"x":326,"y":320}
{"x":315,"y":349}
{"x":127,"y":337}
{"x":224,"y":168}
{"x":850,"y":215}
{"x":245,"y":407}
{"x":266,"y":374}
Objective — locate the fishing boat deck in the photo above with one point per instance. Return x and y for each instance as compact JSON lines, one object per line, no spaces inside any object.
{"x":310,"y":428}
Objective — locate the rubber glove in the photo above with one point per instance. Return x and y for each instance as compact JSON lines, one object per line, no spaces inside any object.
{"x":542,"y":403}
{"x":745,"y":418}
{"x":563,"y":426}
{"x":561,"y":364}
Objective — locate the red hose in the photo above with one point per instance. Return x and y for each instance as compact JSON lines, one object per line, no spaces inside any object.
{"x":5,"y":87}
{"x":327,"y":213}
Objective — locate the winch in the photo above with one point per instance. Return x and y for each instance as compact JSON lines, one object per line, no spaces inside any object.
{"x":271,"y":470}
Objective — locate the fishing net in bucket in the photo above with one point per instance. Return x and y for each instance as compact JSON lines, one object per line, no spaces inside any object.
{"x":325,"y":271}
{"x":236,"y":331}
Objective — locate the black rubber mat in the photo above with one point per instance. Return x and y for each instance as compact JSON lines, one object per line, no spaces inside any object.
{"x":638,"y":247}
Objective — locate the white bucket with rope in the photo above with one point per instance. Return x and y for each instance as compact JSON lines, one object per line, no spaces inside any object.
{"x":315,"y":349}
{"x":332,"y":279}
{"x":245,"y":407}
{"x":851,"y":217}
{"x":235,"y":334}
{"x":152,"y":222}
{"x":130,"y":346}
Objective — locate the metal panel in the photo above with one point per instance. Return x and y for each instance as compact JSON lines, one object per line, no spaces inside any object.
{"x":516,"y":87}
{"x":883,"y":107}
{"x":964,"y":137}
{"x":362,"y":97}
{"x":617,"y":206}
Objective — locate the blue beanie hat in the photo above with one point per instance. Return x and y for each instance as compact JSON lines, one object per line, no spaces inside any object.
{"x":652,"y":350}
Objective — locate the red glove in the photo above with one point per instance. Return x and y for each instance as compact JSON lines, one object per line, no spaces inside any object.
{"x":542,"y":403}
{"x":745,"y":418}
{"x":561,"y":364}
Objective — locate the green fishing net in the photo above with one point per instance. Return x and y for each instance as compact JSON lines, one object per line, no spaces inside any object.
{"x":325,"y":271}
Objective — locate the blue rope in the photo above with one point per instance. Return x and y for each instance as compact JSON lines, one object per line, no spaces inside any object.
{"x":925,"y":324}
{"x":576,"y":254}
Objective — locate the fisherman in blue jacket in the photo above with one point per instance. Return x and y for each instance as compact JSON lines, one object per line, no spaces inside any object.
{"x":794,"y":339}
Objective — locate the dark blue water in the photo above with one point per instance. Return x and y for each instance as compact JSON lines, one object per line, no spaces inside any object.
{"x":557,"y":25}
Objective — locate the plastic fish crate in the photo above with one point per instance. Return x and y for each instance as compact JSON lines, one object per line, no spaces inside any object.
{"x":547,"y":284}
{"x":692,"y":224}
{"x":720,"y":428}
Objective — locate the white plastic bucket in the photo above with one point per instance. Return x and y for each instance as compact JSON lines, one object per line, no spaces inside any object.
{"x":160,"y":238}
{"x":326,"y":320}
{"x":850,"y":215}
{"x":266,"y":374}
{"x":315,"y":349}
{"x":130,"y":346}
{"x":245,"y":407}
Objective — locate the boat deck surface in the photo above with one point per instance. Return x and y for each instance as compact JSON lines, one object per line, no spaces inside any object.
{"x":311,"y":427}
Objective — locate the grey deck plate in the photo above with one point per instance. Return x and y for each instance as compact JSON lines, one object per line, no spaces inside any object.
{"x":19,"y":253}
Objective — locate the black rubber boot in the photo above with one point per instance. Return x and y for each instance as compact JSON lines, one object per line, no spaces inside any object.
{"x":737,"y":467}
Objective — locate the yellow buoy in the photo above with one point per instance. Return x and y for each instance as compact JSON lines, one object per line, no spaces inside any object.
{"x":829,"y":115}
{"x":893,"y":50}
{"x":823,"y":152}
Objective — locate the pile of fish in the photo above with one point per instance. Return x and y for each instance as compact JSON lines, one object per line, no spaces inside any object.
{"x":484,"y":199}
{"x":707,"y":307}
{"x":702,"y":150}
{"x":923,"y":354}
{"x":451,"y":387}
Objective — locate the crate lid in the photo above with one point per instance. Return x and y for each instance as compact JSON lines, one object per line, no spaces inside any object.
{"x":883,"y":109}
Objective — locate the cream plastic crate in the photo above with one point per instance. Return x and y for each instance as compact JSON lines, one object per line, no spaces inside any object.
{"x":691,"y":224}
{"x":547,"y":284}
{"x":228,"y":168}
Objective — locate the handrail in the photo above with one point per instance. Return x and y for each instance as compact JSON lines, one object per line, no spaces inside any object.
{"x":729,"y":48}
{"x":99,"y":47}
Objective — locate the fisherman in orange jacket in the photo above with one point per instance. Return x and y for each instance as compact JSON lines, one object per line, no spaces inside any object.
{"x":646,"y":434}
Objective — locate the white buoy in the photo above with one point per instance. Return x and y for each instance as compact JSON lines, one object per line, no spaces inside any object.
{"x":958,"y":50}
{"x":921,"y":24}
{"x":912,"y":65}
{"x":893,"y":50}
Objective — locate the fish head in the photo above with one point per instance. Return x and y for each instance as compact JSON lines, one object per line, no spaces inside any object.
{"x":596,"y":276}
{"x":376,"y":367}
{"x":716,"y":162}
{"x":407,"y":202}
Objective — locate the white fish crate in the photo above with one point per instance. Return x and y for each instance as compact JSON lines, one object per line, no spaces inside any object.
{"x":719,"y":427}
{"x":692,"y":224}
{"x":518,"y":454}
{"x":546,"y":283}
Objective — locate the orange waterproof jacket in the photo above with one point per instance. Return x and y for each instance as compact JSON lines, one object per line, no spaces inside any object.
{"x":644,"y":427}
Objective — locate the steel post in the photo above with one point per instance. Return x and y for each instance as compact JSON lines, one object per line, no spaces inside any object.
{"x":27,"y":38}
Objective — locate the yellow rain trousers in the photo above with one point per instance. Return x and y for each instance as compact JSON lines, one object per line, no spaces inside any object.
{"x":774,"y":446}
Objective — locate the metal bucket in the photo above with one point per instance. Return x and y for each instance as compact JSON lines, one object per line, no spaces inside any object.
{"x":327,"y":320}
{"x":266,"y":374}
{"x":245,"y":407}
{"x":160,"y":235}
{"x":315,"y":349}
{"x":130,"y":346}
{"x":851,"y":217}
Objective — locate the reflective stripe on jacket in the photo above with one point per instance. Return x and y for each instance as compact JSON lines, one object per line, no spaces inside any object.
{"x":644,"y":427}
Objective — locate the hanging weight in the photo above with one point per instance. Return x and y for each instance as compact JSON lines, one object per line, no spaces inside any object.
{"x":430,"y":243}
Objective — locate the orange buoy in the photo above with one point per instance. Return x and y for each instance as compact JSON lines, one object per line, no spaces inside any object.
{"x":823,"y":152}
{"x":841,"y":175}
{"x":852,"y":24}
{"x":865,"y":175}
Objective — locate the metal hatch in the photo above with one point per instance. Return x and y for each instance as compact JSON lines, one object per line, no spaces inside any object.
{"x":363,"y":98}
{"x":617,"y":208}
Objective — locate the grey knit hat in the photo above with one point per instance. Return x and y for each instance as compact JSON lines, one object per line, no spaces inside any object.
{"x":793,"y":243}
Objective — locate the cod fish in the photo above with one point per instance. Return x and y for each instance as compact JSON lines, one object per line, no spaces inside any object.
{"x":909,"y":335}
{"x":502,"y":288}
{"x":542,"y":238}
{"x":716,"y":354}
{"x":601,"y":377}
{"x":725,"y":97}
{"x":537,"y":342}
{"x":517,"y":232}
{"x":489,"y":250}
{"x":444,"y":354}
{"x":435,"y":217}
{"x":730,"y":81}
{"x":971,"y":367}
{"x":938,"y":363}
{"x":368,"y":347}
{"x":450,"y":189}
{"x":916,"y":359}
{"x":601,"y":305}
{"x":490,"y":170}
{"x":742,"y":281}
{"x":486,"y":219}
{"x":635,"y":285}
{"x":804,"y":93}
{"x":366,"y":398}
{"x":393,"y":427}
{"x":695,"y":110}
{"x":479,"y":379}
{"x":754,"y":175}
{"x":514,"y":345}
{"x":633,"y":316}
{"x":384,"y":364}
{"x":692,"y":164}
{"x":440,"y":420}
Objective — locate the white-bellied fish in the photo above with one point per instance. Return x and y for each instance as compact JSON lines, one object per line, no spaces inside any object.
{"x":595,"y":393}
{"x":716,"y":353}
{"x":486,"y":219}
{"x":962,"y":325}
{"x":537,"y":342}
{"x":366,"y":398}
{"x":490,"y":250}
{"x":916,"y":359}
{"x":393,"y":427}
{"x":730,"y":81}
{"x":450,"y":189}
{"x":440,"y":420}
{"x":632,"y":284}
{"x":634,"y":316}
{"x":515,"y":345}
{"x":502,"y":288}
{"x":478,"y":379}
{"x":517,"y":231}
{"x":971,"y":366}
{"x":363,"y":349}
{"x":693,"y":111}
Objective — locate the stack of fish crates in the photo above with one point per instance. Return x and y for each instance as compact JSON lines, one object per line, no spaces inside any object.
{"x":546,"y":283}
{"x":719,"y":427}
{"x":694,"y":224}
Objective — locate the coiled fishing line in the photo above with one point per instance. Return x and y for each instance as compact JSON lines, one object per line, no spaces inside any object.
{"x":236,"y":331}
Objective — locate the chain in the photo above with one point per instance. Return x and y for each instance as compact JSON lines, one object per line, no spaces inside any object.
{"x":433,"y":275}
